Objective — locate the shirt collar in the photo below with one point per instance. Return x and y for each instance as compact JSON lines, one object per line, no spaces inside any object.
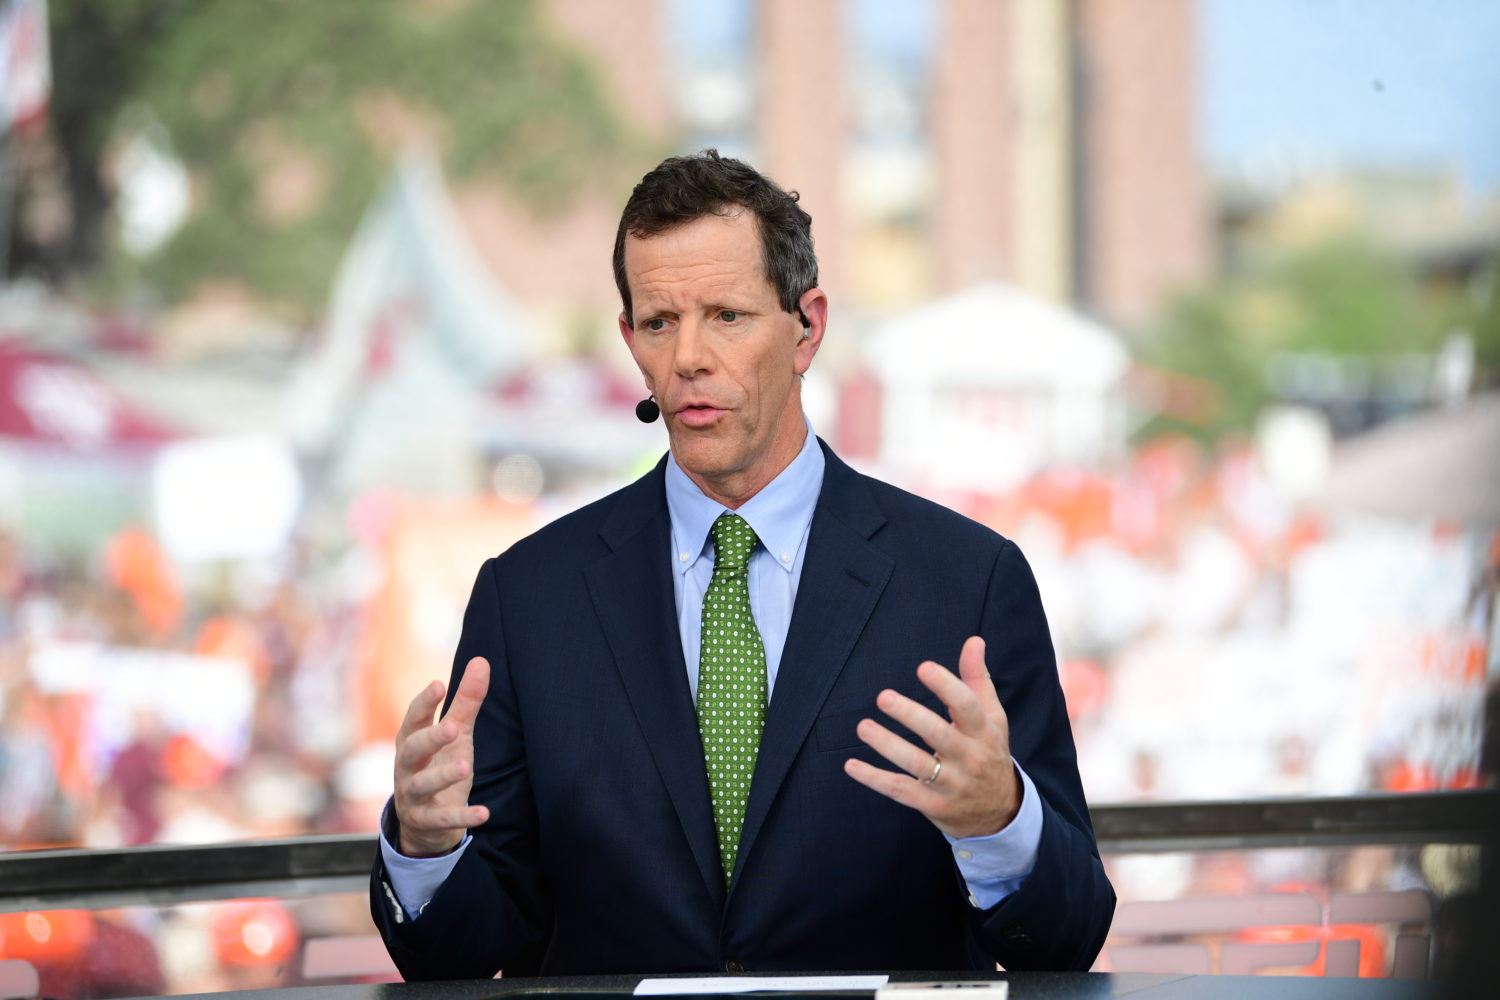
{"x":779,"y":514}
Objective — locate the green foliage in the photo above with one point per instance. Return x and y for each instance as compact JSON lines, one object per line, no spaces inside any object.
{"x":99,"y":52}
{"x":1342,"y":298}
{"x":1482,"y":320}
{"x":1348,"y":299}
{"x":1204,"y":337}
{"x":244,"y":88}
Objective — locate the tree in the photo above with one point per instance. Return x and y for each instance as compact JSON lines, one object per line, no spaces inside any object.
{"x":280,"y":111}
{"x":100,"y":50}
{"x":1342,"y":298}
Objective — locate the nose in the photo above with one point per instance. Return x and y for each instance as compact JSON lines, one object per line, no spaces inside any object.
{"x":692,"y":351}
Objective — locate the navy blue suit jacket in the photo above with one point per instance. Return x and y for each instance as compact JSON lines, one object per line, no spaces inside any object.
{"x":599,"y":854}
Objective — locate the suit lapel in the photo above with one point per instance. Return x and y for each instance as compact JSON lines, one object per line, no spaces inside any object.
{"x":843,"y":576}
{"x":634,"y":598}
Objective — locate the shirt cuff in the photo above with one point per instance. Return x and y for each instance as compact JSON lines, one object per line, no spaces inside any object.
{"x":993,"y":867}
{"x":413,"y":881}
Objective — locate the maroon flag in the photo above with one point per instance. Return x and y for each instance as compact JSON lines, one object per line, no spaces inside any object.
{"x":25,"y":63}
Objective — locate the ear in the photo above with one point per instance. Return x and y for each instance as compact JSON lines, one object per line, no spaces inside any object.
{"x":814,"y":303}
{"x":627,"y":332}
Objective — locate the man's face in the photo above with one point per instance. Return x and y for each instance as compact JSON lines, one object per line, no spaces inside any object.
{"x":719,"y":353}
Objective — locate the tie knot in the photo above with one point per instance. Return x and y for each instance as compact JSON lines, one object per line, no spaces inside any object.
{"x":733,"y":540}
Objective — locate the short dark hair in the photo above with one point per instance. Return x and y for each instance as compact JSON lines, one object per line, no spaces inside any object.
{"x":684,"y":188}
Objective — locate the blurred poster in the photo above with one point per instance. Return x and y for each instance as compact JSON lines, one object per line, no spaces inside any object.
{"x":207,"y":698}
{"x":429,"y":555}
{"x":226,"y":498}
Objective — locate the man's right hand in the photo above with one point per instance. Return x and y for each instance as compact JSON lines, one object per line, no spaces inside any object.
{"x":435,"y":767}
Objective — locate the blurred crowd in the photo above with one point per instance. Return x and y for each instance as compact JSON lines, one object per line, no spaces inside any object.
{"x":1217,"y":640}
{"x":68,"y":777}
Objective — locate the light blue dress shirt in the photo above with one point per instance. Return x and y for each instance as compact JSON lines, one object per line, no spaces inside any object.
{"x":781,"y":515}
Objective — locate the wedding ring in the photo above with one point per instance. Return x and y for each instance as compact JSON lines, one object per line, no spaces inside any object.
{"x":937,"y":769}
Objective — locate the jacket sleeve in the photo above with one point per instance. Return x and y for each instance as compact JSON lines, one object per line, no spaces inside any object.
{"x":493,"y":910}
{"x":1059,"y":917}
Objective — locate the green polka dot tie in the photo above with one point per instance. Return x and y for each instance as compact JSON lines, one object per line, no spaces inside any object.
{"x":731,"y":683}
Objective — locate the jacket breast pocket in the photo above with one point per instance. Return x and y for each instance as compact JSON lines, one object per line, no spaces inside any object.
{"x":836,"y":731}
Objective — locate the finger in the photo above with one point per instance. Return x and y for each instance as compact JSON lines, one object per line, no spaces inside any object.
{"x":419,"y":712}
{"x":431,"y":818}
{"x":976,"y":674}
{"x":912,"y":759}
{"x":963,"y":706}
{"x":968,"y":719}
{"x":470,"y":694}
{"x":897,"y":787}
{"x":934,"y":730}
{"x":416,"y":750}
{"x":429,"y":781}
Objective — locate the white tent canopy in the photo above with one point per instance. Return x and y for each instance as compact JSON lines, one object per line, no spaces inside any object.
{"x":417,"y":331}
{"x":988,"y":386}
{"x":996,"y":334}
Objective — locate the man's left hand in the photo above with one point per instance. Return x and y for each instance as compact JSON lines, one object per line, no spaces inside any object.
{"x":976,"y":792}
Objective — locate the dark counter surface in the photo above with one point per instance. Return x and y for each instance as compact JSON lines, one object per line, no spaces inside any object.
{"x":1023,"y":986}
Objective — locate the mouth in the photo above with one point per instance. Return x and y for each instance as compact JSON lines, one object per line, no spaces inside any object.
{"x":699,"y":414}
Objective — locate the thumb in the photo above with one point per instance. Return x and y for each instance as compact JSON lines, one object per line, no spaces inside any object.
{"x":470,"y":693}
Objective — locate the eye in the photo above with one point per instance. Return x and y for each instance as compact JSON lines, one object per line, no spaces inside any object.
{"x":728,"y":315}
{"x":655,"y":325}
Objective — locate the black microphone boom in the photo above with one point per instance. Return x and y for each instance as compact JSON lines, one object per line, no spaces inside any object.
{"x":646,"y":411}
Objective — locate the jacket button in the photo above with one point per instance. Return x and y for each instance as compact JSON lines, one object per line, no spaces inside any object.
{"x":734,"y":965}
{"x":1015,"y":934}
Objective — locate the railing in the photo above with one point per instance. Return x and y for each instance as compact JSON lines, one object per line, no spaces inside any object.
{"x":301,"y":866}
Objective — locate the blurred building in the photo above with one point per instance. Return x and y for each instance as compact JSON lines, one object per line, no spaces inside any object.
{"x":801,"y":121}
{"x":1144,"y":224}
{"x":1046,"y":144}
{"x":1066,"y":153}
{"x":1443,"y":232}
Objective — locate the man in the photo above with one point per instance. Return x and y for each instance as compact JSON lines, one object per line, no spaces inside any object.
{"x":701,"y":724}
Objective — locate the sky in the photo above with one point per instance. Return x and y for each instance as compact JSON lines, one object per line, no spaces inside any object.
{"x":1339,"y":82}
{"x":1353,"y":81}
